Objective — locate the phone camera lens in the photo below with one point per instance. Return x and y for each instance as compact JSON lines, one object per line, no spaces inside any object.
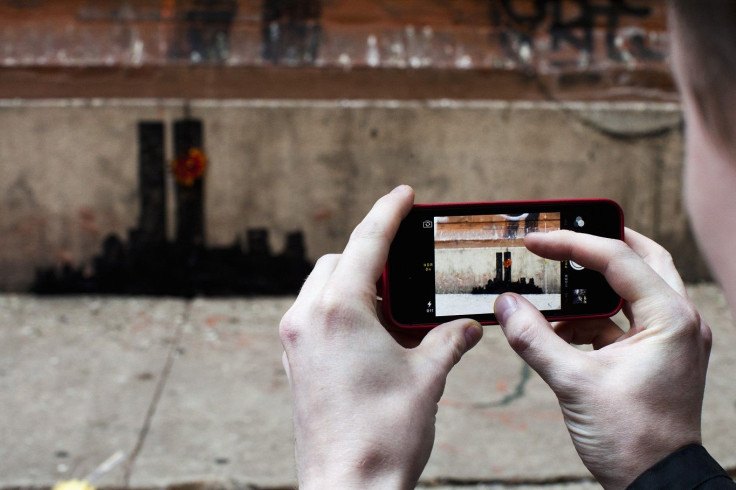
{"x":579,"y":222}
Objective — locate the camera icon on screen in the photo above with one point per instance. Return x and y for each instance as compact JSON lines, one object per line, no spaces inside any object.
{"x":427,"y":224}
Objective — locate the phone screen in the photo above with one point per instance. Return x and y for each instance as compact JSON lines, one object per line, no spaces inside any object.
{"x":479,"y":257}
{"x":453,"y":261}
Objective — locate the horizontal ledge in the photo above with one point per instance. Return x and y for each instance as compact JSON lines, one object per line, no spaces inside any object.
{"x":520,"y":105}
{"x":311,"y":83}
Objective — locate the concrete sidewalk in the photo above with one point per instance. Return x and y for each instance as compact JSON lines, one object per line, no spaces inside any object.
{"x":193,"y":392}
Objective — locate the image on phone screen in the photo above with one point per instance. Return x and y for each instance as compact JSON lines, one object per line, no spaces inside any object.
{"x":479,"y":257}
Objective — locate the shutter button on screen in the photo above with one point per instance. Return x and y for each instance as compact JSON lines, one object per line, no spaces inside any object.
{"x":579,"y":223}
{"x":576,"y":266}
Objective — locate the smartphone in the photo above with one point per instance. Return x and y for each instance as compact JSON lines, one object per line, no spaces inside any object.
{"x":451,"y":261}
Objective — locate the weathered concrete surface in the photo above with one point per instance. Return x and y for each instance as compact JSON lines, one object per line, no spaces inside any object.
{"x":194,"y":392}
{"x":69,"y":171}
{"x":76,"y":379}
{"x":227,"y":400}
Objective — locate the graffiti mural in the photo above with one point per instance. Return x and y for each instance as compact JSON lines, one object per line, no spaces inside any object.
{"x":615,"y":27}
{"x":291,"y":31}
{"x":464,"y":34}
{"x":150,"y":264}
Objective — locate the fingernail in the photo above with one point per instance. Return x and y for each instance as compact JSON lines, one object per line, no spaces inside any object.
{"x":505,"y":306}
{"x":473,"y":334}
{"x":398,"y":188}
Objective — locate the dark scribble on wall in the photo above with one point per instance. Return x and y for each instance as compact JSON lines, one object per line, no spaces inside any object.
{"x":292,"y":32}
{"x":573,"y":23}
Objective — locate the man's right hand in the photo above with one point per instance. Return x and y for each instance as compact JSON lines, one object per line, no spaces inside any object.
{"x":638,"y":396}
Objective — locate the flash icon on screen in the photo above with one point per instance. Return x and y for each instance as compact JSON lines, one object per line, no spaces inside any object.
{"x":430,"y":307}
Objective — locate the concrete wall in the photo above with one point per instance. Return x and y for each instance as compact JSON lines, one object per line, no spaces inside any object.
{"x":68,"y":169}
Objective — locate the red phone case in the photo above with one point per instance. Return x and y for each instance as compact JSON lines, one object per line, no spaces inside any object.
{"x":383,"y":284}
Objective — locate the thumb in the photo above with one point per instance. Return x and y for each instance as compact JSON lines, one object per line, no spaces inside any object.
{"x":532,"y":337}
{"x":447,"y":343}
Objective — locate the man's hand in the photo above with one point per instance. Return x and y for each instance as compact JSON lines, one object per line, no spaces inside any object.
{"x":364,"y":406}
{"x":637,"y":397}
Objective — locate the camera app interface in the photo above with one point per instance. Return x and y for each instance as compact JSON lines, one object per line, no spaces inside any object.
{"x":479,"y":257}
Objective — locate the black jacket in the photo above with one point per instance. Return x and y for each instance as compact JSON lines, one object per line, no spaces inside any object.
{"x":688,"y":468}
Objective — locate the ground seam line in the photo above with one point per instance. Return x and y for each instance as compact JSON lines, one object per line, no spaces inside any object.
{"x":160,"y":385}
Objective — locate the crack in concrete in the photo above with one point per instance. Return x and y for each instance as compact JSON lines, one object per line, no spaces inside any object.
{"x":519,"y":390}
{"x":160,"y":386}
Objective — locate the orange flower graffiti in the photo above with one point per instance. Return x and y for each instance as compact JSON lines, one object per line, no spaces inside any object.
{"x":190,"y":167}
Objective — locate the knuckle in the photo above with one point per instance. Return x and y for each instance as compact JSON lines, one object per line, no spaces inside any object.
{"x":321,"y":318}
{"x":690,"y":321}
{"x":620,"y":248}
{"x":690,"y":315}
{"x":665,"y":257}
{"x":620,"y":254}
{"x":523,"y":337}
{"x":456,"y":350}
{"x":707,"y":336}
{"x":660,"y":258}
{"x":368,"y":230}
{"x":621,"y":251}
{"x":289,"y":330}
{"x":331,"y":308}
{"x":459,"y":347}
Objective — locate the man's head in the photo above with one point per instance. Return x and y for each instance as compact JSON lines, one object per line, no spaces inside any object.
{"x":703,"y":34}
{"x":704,"y":59}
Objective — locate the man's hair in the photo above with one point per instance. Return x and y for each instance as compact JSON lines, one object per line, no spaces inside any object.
{"x":705,"y":32}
